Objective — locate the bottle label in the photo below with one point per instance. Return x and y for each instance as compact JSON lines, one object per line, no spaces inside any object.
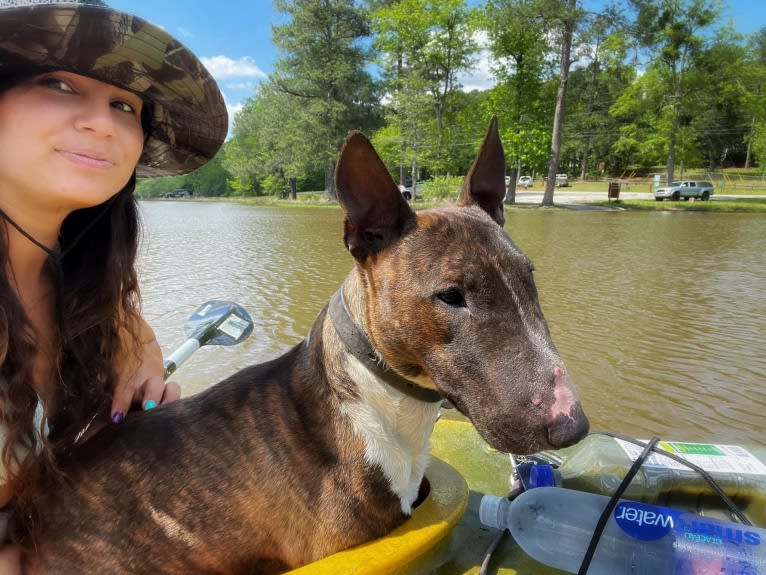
{"x":645,"y":522}
{"x":651,"y":522}
{"x":710,"y":457}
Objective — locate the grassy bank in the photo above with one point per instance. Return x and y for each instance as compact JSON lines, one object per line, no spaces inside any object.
{"x":731,"y":186}
{"x":754,"y":205}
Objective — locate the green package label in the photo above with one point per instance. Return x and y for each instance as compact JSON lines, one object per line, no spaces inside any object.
{"x":691,"y":448}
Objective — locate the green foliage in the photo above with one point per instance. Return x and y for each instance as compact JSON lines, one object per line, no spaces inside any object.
{"x":210,"y":180}
{"x":243,"y":154}
{"x":440,"y":188}
{"x":423,"y":47}
{"x":672,"y":35}
{"x":321,"y":82}
{"x":388,"y":144}
{"x":158,"y":187}
{"x":656,"y":83}
{"x":759,"y":144}
{"x":274,"y":185}
{"x":519,"y":45}
{"x":593,"y":88}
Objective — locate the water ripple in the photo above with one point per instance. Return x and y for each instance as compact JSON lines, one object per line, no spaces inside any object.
{"x":660,"y":317}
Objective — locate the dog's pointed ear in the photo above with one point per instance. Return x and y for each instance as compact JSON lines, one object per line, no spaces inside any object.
{"x":485,"y":183}
{"x":376,"y":213}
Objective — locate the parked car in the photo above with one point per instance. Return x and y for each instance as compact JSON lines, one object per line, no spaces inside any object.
{"x":683,"y":190}
{"x":525,"y":181}
{"x":407,"y":192}
{"x":562,"y":180}
{"x":181,"y":193}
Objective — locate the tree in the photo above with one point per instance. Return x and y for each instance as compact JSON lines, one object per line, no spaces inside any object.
{"x":424,"y":46}
{"x":524,"y":35}
{"x":670,"y":32}
{"x":642,"y":137}
{"x":210,"y":180}
{"x":569,"y":18}
{"x":758,"y":142}
{"x":243,"y":154}
{"x":594,"y":86}
{"x":722,"y":112}
{"x":756,"y":139}
{"x":518,"y":46}
{"x":321,"y":69}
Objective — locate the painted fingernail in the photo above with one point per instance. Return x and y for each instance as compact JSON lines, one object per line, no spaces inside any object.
{"x":150,"y":404}
{"x":117,"y":417}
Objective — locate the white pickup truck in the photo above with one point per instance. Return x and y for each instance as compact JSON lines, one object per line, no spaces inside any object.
{"x":683,"y":190}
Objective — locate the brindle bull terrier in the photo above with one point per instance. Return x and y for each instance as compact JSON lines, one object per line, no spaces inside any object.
{"x":325,"y":447}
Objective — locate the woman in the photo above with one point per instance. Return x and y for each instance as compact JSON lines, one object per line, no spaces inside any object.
{"x":89,"y":98}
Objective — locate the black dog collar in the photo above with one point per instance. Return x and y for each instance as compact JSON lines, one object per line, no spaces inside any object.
{"x":361,"y":348}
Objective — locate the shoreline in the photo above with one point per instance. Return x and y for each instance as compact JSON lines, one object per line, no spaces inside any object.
{"x":566,"y":200}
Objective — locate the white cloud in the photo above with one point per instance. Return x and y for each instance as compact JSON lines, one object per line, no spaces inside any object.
{"x":223,"y":67}
{"x":240,"y":85}
{"x":233,"y":109}
{"x":479,"y":77}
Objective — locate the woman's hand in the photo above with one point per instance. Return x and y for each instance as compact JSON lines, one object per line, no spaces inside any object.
{"x":141,"y":379}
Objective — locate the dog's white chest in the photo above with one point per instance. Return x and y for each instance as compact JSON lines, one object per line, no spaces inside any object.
{"x":396,"y":431}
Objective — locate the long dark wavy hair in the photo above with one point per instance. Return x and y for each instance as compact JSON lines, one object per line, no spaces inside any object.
{"x":98,"y":304}
{"x":97,"y":320}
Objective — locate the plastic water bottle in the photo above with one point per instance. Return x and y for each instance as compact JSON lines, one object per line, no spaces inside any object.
{"x":598,"y":463}
{"x":554,"y":526}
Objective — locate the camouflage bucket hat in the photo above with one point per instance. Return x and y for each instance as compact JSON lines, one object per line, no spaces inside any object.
{"x":189,"y":119}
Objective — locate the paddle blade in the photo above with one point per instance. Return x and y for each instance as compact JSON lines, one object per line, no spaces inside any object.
{"x":218,"y":322}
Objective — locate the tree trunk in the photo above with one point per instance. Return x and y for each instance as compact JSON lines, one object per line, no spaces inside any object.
{"x":558,"y":117}
{"x":672,"y":150}
{"x":510,"y":191}
{"x":414,"y":178}
{"x":749,"y":143}
{"x":673,"y":139}
{"x":584,"y":163}
{"x":329,"y":181}
{"x":293,"y":183}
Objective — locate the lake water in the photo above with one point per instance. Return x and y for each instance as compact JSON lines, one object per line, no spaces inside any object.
{"x":660,"y":317}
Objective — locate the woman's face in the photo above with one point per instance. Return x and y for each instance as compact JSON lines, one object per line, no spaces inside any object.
{"x":67,"y":141}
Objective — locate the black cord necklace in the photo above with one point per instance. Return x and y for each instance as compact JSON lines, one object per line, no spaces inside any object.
{"x":55,"y":257}
{"x":26,"y":234}
{"x":51,"y":252}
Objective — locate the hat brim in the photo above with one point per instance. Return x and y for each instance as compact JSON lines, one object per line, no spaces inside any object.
{"x":189,"y":118}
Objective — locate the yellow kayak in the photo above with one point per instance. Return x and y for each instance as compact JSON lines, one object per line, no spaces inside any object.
{"x":444,"y":535}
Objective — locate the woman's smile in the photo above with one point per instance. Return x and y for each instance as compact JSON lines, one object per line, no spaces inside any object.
{"x":87,"y":159}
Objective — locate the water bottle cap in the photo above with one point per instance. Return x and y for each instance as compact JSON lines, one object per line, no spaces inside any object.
{"x":490,"y":510}
{"x":541,"y":475}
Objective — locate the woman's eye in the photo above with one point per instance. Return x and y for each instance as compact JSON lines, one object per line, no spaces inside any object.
{"x":124,"y":107}
{"x":57,"y":84}
{"x":452,"y":297}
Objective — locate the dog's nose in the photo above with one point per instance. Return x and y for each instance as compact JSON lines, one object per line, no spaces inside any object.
{"x":565,"y":421}
{"x":567,"y":429}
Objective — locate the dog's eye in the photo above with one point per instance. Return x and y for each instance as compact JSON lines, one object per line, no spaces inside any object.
{"x":452,"y":297}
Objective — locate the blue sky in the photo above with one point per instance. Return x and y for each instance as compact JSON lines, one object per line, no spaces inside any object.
{"x":233,"y":37}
